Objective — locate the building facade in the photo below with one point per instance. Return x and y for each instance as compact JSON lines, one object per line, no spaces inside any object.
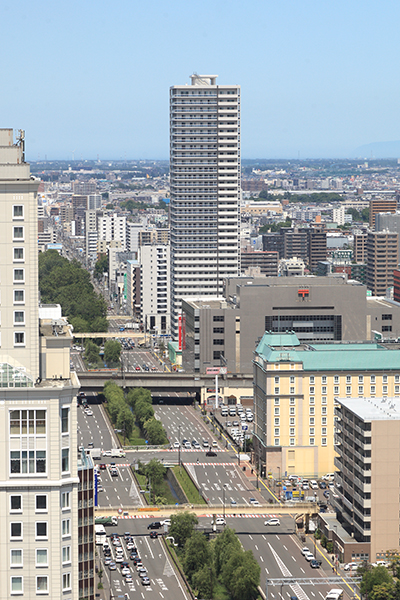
{"x":386,"y":205}
{"x":205,"y":188}
{"x":382,"y":260}
{"x":296,"y":390}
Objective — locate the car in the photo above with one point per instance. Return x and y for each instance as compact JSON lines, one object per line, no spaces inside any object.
{"x":235,"y":423}
{"x":137,"y":368}
{"x":331,"y":486}
{"x":102,"y":466}
{"x":176,"y":445}
{"x":322,"y":485}
{"x":89,"y":413}
{"x":326,"y":494}
{"x":254,"y":502}
{"x":145,"y":581}
{"x":128,"y":579}
{"x":197,"y":446}
{"x":309,"y":557}
{"x":205,"y":443}
{"x":211,"y":453}
{"x":112,"y":566}
{"x":218,"y":521}
{"x":315,"y":564}
{"x":305,"y":550}
{"x":328,"y":477}
{"x":114,"y":472}
{"x":90,"y":445}
{"x":322,"y":507}
{"x":154,"y":525}
{"x":166,"y":522}
{"x":272,"y":522}
{"x":215,"y":444}
{"x":184,"y":441}
{"x":153,"y":534}
{"x":233,"y":502}
{"x":381,"y":563}
{"x":107,"y":560}
{"x":130,"y":546}
{"x":229,"y":423}
{"x":119,"y":558}
{"x":146,"y":368}
{"x":194,"y":443}
{"x":142,"y":572}
{"x":351,"y":566}
{"x":124,"y":564}
{"x":100,"y":488}
{"x":125,"y":571}
{"x":154,"y":368}
{"x":136,"y":559}
{"x":106,"y":452}
{"x":187,"y":445}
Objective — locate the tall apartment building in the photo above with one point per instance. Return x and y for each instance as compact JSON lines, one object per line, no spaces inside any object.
{"x":296,"y":389}
{"x":338,"y":215}
{"x":388,"y":222}
{"x":91,"y":234}
{"x":112,"y":228}
{"x":267,"y":261}
{"x":41,"y":546}
{"x":360,"y":246}
{"x":380,"y":206}
{"x":382,"y":260}
{"x":367,"y":499}
{"x":84,"y":188}
{"x":205,"y":188}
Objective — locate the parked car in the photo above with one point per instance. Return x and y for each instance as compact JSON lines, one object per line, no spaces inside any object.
{"x":351,"y":566}
{"x":315,"y":564}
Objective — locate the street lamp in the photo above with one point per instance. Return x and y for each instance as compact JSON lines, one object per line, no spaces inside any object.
{"x":179,"y":447}
{"x":223,"y":497}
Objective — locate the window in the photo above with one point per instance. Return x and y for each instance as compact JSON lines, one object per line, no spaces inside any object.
{"x":19,"y":296}
{"x":323,"y":430}
{"x":312,"y":391}
{"x":312,"y":421}
{"x":361,"y":390}
{"x":348,"y":389}
{"x":276,"y":442}
{"x":16,"y":558}
{"x":19,"y":338}
{"x":276,"y":401}
{"x":19,"y":254}
{"x":16,"y":585}
{"x":66,"y":581}
{"x":336,"y":379}
{"x":18,"y":211}
{"x":397,"y":389}
{"x":291,"y":442}
{"x":218,"y":318}
{"x":42,"y":584}
{"x":348,"y":378}
{"x":216,"y":354}
{"x":373,"y":388}
{"x":372,"y":378}
{"x":312,"y":400}
{"x":323,"y":389}
{"x":312,"y":431}
{"x":323,"y":421}
{"x":291,"y":390}
{"x":312,"y":441}
{"x":323,"y":400}
{"x":323,"y":442}
{"x":291,"y":431}
{"x":18,"y":233}
{"x":16,"y":531}
{"x":65,"y":460}
{"x":292,"y":379}
{"x":19,"y":317}
{"x":66,"y":554}
{"x":291,"y":421}
{"x":312,"y":379}
{"x":65,"y":502}
{"x":336,"y":389}
{"x":276,"y":421}
{"x":19,"y":275}
{"x":397,"y":378}
{"x":384,"y":389}
{"x":276,"y":380}
{"x":219,"y":342}
{"x":386,"y":328}
{"x":387,"y":317}
{"x":218,"y":329}
{"x":276,"y":390}
{"x":15,"y":503}
{"x":360,"y":379}
{"x":19,"y":462}
{"x":384,"y":378}
{"x":292,"y":410}
{"x":276,"y":410}
{"x":65,"y":527}
{"x":292,"y":401}
{"x":41,"y":529}
{"x":41,"y":557}
{"x":276,"y":432}
{"x":64,"y":420}
{"x":41,"y":503}
{"x":312,"y":410}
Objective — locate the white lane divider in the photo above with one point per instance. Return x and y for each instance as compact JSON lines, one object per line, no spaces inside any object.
{"x":299,"y":592}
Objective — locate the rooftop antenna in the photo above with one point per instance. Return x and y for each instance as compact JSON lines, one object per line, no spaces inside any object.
{"x":21,"y":142}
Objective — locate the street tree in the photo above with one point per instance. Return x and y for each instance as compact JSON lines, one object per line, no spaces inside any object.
{"x":143,"y":412}
{"x":182,"y":527}
{"x":384,"y":591}
{"x":92,"y":352}
{"x":376,"y":576}
{"x":203,"y":581}
{"x":224,"y":545}
{"x":241,"y":575}
{"x":125,"y":420}
{"x":155,"y":473}
{"x":112,"y":351}
{"x":155,"y":432}
{"x":197,"y":553}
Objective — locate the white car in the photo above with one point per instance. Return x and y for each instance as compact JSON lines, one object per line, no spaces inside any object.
{"x":272,"y":522}
{"x":215,"y":444}
{"x":119,"y":558}
{"x":218,"y":521}
{"x":305,"y":550}
{"x":106,"y":452}
{"x":254,"y":502}
{"x":166,"y":522}
{"x":309,"y":557}
{"x":313,"y":484}
{"x":89,"y":413}
{"x":125,"y":571}
{"x":176,"y":445}
{"x":352,"y":566}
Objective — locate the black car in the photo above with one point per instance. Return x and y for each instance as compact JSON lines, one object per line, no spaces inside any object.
{"x":315,"y":564}
{"x":153,"y":534}
{"x":154,"y":525}
{"x":211,"y":453}
{"x":322,"y":485}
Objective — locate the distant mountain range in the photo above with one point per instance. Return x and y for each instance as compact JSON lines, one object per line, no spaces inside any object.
{"x":378,"y":150}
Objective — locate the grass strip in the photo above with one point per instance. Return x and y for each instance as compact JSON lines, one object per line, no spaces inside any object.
{"x":191,"y":491}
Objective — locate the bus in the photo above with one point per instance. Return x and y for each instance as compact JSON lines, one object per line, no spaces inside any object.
{"x":100,"y":534}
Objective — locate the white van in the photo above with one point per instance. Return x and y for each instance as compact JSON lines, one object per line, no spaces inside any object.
{"x":334,"y":594}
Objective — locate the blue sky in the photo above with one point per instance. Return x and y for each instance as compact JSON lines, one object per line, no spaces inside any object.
{"x":319,"y":78}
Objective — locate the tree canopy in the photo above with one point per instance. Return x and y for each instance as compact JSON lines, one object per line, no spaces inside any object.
{"x":65,"y":282}
{"x":182,"y":527}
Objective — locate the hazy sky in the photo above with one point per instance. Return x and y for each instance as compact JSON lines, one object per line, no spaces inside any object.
{"x":319,"y":78}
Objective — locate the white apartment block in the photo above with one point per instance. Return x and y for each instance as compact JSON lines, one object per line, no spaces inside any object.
{"x":112,"y":228}
{"x":205,"y":188}
{"x":94,"y":201}
{"x":41,"y":550}
{"x":91,"y":234}
{"x":338,"y":215}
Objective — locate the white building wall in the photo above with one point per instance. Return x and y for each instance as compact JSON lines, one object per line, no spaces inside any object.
{"x":155,"y":286}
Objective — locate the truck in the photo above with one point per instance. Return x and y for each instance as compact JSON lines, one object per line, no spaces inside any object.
{"x":132,"y":325}
{"x":95,"y":453}
{"x":106,"y":521}
{"x":117,"y":452}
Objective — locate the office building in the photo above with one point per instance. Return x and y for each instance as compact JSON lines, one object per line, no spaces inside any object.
{"x":388,"y":222}
{"x":382,"y":260}
{"x":40,"y":549}
{"x":267,"y":261}
{"x":84,"y":188}
{"x":205,"y":188}
{"x":317,"y":309}
{"x":396,"y":285}
{"x":367,"y":498}
{"x":296,"y":388}
{"x":376,"y":206}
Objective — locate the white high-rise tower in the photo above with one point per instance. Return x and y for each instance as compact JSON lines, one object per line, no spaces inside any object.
{"x":205,"y":188}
